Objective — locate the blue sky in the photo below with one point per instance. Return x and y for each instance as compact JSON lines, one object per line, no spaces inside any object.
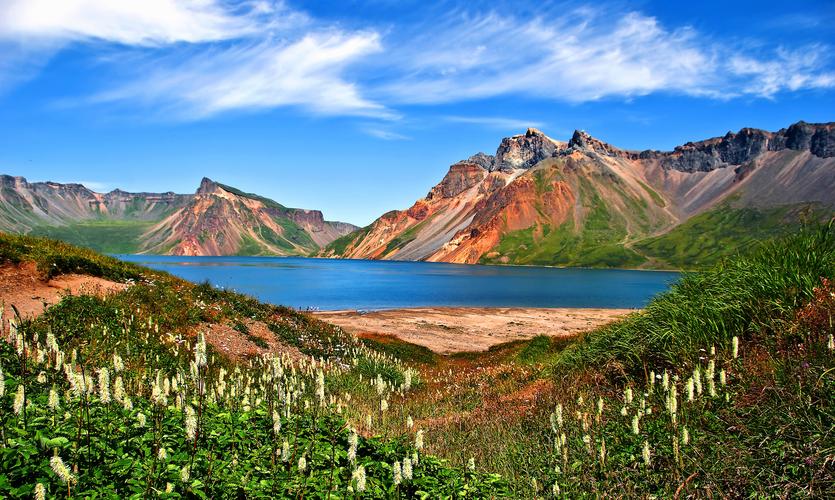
{"x":356,"y":108}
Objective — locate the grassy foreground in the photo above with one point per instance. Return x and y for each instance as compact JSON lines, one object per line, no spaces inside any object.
{"x":722,"y":387}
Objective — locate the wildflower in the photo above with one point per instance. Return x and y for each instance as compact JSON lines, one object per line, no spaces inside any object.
{"x":665,"y":381}
{"x":104,"y":385}
{"x":555,"y":489}
{"x":359,"y":477}
{"x":624,"y":412}
{"x":302,"y":464}
{"x":587,"y":441}
{"x":559,"y":414}
{"x":53,"y":402}
{"x":185,"y":474}
{"x":419,"y":439}
{"x":119,"y":389}
{"x":635,"y":429}
{"x":407,"y":469}
{"x":409,"y":422}
{"x":353,"y":440}
{"x":471,"y":464}
{"x":191,"y":423}
{"x":169,"y":488}
{"x":200,"y":350}
{"x":61,"y":470}
{"x":162,"y":454}
{"x":830,"y":343}
{"x":628,"y":395}
{"x":415,"y":459}
{"x":685,"y":436}
{"x":690,"y":389}
{"x":320,"y":386}
{"x":368,"y":420}
{"x":127,"y":404}
{"x":285,"y":451}
{"x":118,"y":364}
{"x":603,"y":451}
{"x":41,"y":378}
{"x":645,"y":453}
{"x":19,"y":398}
{"x":735,"y":347}
{"x":397,"y":473}
{"x":599,"y":406}
{"x":276,"y":423}
{"x":2,"y":379}
{"x":140,"y":419}
{"x":384,"y":405}
{"x":697,"y":380}
{"x":723,"y":377}
{"x":40,"y":492}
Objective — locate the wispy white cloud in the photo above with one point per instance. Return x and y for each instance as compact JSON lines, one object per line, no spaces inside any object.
{"x":384,"y":134}
{"x":496,"y":122}
{"x":149,"y":22}
{"x":192,"y":59}
{"x":584,"y":55}
{"x":265,"y":74}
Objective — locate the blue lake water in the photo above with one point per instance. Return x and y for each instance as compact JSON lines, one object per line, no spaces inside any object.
{"x":330,"y":284}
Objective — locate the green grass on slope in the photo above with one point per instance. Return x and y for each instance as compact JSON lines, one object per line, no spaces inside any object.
{"x":106,"y":236}
{"x":595,"y":244}
{"x":736,"y":298}
{"x":340,"y":245}
{"x":706,"y":238}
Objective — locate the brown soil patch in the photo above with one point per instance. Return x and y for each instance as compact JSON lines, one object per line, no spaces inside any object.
{"x":22,"y":286}
{"x":237,"y":345}
{"x":447,"y":330}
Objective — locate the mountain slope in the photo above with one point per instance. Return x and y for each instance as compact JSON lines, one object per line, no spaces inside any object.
{"x":216,"y":220}
{"x":585,"y":202}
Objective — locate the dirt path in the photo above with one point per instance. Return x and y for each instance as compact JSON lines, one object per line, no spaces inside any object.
{"x":23,"y":287}
{"x":448,"y":330}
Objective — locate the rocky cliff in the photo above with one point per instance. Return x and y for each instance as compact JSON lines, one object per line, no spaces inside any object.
{"x":586,"y":202}
{"x":216,"y":220}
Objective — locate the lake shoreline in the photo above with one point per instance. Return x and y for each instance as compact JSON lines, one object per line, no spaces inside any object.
{"x":449,"y":330}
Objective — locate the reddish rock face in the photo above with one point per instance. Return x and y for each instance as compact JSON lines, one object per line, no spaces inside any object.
{"x":536,"y":182}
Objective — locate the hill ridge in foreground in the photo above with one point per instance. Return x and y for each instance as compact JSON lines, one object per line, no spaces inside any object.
{"x":587,"y":203}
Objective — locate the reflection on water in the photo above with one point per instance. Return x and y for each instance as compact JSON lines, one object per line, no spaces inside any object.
{"x":330,"y":284}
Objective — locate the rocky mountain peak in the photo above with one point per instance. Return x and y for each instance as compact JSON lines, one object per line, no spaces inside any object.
{"x":581,"y":140}
{"x":208,"y":186}
{"x":525,"y":150}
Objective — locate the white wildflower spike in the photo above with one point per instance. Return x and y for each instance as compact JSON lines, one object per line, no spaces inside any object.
{"x":697,"y":380}
{"x":285,"y":451}
{"x":735,"y":347}
{"x":723,"y":377}
{"x":353,"y":441}
{"x":118,"y":364}
{"x":665,"y":381}
{"x":407,"y":469}
{"x":302,"y":464}
{"x":690,"y":389}
{"x":104,"y":385}
{"x":685,"y":436}
{"x":276,"y":423}
{"x":603,"y":452}
{"x":830,"y":343}
{"x":140,"y":419}
{"x":559,"y":414}
{"x":320,"y":386}
{"x":162,"y":454}
{"x":384,"y":405}
{"x":409,"y":422}
{"x":419,"y":439}
{"x":635,"y":429}
{"x":599,"y":406}
{"x":40,"y":492}
{"x":471,"y":464}
{"x":646,"y":453}
{"x":19,"y":399}
{"x":185,"y":474}
{"x":627,"y":396}
{"x":191,"y":423}
{"x":397,"y":473}
{"x":200,"y":350}
{"x":54,"y":401}
{"x":119,"y":390}
{"x":61,"y":470}
{"x":359,"y":477}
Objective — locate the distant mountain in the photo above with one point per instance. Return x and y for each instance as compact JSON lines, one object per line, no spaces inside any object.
{"x":216,"y":220}
{"x":587,"y":203}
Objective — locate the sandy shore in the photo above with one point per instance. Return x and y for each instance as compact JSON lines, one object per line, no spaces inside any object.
{"x":447,"y":330}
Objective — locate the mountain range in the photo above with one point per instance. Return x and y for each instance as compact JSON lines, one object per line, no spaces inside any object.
{"x":584,"y":202}
{"x":537,"y":200}
{"x":216,"y":220}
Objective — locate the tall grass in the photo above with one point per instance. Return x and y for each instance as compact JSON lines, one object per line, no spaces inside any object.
{"x":750,"y":294}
